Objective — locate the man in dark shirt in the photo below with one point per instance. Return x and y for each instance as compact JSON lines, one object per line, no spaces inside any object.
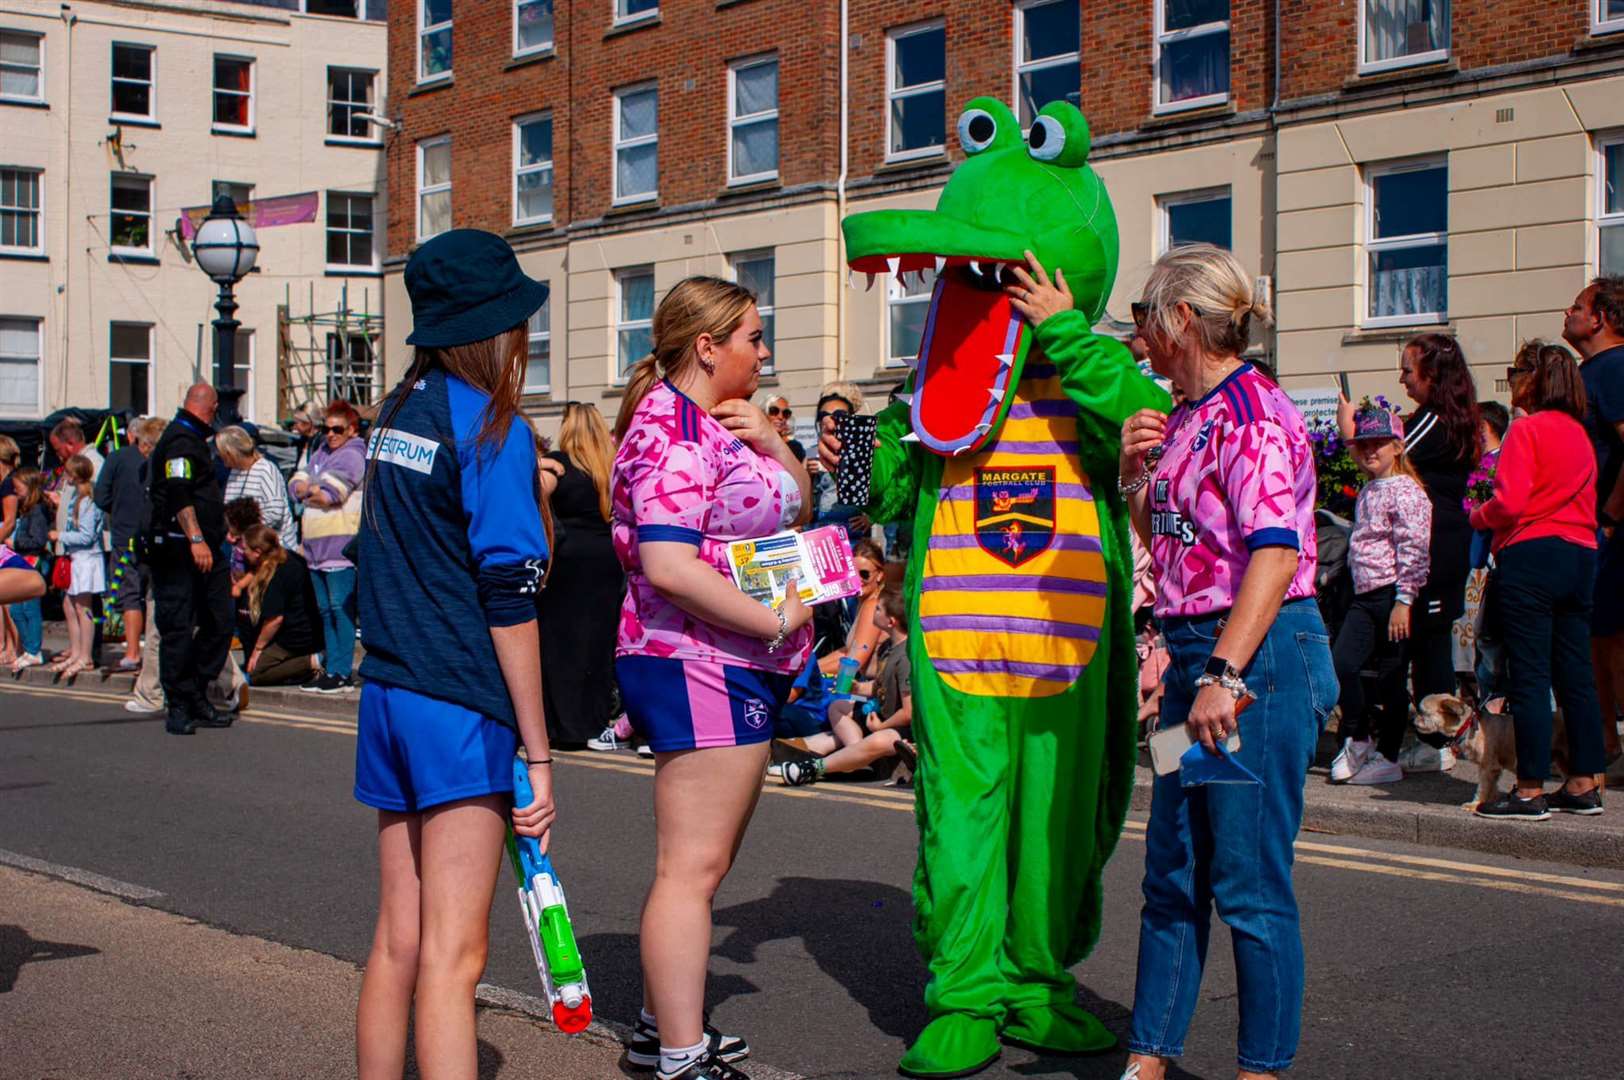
{"x":1594,"y":325}
{"x":121,"y":492}
{"x":191,"y":583}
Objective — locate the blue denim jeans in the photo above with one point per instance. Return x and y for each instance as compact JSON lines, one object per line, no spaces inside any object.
{"x":1230,"y":845}
{"x":335,"y":597}
{"x":30,"y":625}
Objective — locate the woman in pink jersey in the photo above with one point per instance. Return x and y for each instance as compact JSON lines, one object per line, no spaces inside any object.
{"x":703,"y":668}
{"x":1222,"y":493}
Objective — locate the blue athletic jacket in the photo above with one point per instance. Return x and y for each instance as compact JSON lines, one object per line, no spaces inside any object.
{"x":451,"y":544}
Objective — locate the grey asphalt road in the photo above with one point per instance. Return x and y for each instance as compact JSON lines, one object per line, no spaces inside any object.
{"x":1422,"y":963}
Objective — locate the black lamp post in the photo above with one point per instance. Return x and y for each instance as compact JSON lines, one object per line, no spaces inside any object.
{"x":226,"y":249}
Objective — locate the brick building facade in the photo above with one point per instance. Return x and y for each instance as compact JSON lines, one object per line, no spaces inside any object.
{"x":623,"y":144}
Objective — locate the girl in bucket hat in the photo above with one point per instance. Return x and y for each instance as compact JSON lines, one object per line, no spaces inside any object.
{"x":450,"y":552}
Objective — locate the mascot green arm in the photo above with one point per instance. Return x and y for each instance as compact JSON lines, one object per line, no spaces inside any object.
{"x":894,"y":481}
{"x":1102,"y":377}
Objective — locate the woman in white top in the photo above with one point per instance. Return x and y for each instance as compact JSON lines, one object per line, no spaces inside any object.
{"x":253,"y":476}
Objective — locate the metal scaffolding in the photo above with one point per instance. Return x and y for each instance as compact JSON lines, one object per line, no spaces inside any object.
{"x":328,"y":355}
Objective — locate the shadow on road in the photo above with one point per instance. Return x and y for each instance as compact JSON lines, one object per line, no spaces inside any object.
{"x":18,"y":948}
{"x":106,"y":721}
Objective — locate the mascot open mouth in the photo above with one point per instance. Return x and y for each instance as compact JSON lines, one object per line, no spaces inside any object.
{"x":972,"y":348}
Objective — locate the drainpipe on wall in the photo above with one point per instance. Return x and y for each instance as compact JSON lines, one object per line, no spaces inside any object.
{"x":68,"y":19}
{"x":840,"y":196}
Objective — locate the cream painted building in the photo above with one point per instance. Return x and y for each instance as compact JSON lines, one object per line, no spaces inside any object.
{"x":114,"y":118}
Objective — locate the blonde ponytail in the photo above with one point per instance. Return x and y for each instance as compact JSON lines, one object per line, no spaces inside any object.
{"x":1212,"y":282}
{"x":694,"y":306}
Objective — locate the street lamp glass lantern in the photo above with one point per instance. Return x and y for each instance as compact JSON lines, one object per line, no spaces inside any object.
{"x":225,"y":245}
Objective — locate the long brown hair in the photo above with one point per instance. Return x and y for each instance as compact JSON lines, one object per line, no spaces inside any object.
{"x":81,"y":474}
{"x":1554,"y":380}
{"x":30,"y":485}
{"x":494,"y":365}
{"x":584,"y":439}
{"x":694,"y":306}
{"x":262,"y":541}
{"x":1451,"y":394}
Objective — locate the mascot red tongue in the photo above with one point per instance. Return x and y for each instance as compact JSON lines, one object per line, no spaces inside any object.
{"x":971,"y":339}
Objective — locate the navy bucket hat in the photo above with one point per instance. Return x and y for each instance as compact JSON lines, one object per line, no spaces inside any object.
{"x":466,"y":286}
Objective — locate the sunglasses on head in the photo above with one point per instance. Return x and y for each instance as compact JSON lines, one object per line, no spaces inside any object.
{"x":1514,"y":373}
{"x":774,"y":410}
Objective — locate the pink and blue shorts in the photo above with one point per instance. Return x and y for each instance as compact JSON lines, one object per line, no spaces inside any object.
{"x":10,"y":560}
{"x":692,"y":705}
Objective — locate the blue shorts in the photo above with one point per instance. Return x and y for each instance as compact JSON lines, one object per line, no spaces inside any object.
{"x":10,"y":560}
{"x":691,"y":705}
{"x":413,"y":752}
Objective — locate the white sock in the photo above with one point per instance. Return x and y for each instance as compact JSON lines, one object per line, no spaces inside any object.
{"x":675,"y":1059}
{"x":647,"y":1018}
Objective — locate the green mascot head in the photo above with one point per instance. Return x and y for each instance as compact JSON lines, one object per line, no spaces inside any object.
{"x":1012,"y":195}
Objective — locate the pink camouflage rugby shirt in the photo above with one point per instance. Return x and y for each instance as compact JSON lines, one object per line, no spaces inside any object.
{"x":1237,"y":474}
{"x":681,"y":476}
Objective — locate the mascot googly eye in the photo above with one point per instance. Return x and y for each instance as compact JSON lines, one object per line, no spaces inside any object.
{"x":977,"y":130}
{"x":1047,"y":139}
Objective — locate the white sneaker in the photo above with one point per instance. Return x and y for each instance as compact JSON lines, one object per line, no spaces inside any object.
{"x":1423,"y":757}
{"x":136,"y":706}
{"x":645,"y":750}
{"x":775,"y":770}
{"x":606,"y":741}
{"x":1378,"y":770}
{"x":26,"y":660}
{"x":1350,"y":759}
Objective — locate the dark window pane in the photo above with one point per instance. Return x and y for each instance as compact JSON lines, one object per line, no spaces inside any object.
{"x":127,"y":387}
{"x":436,"y":11}
{"x":132,"y":98}
{"x":918,"y":122}
{"x":1039,"y":87}
{"x":1183,"y":14}
{"x":132,"y":63}
{"x":1195,"y":67}
{"x":131,"y":194}
{"x":1414,"y":201}
{"x":1050,"y":30}
{"x":921,"y":58}
{"x":1205,"y":222}
{"x":1613,"y":167}
{"x":331,"y":7}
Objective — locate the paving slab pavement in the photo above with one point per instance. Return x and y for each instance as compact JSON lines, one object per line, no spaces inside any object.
{"x":93,"y":986}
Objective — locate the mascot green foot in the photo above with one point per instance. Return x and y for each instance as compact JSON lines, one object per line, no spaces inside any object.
{"x":955,"y":1044}
{"x":1062,"y":1028}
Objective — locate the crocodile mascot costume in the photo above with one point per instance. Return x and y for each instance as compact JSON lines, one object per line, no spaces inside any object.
{"x":1003,"y":452}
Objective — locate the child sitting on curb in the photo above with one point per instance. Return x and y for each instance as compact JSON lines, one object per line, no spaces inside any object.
{"x":888,"y":725}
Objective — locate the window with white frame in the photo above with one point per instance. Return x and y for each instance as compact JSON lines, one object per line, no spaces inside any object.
{"x":1610,"y":214}
{"x":433,"y":39}
{"x":915,"y":91}
{"x":240,"y":194}
{"x":756,"y":271}
{"x":133,"y":81}
{"x":130,"y":218}
{"x":752,"y":120}
{"x":349,"y":94}
{"x":533,"y":169}
{"x":349,"y":232}
{"x":634,"y":317}
{"x":1607,"y":16}
{"x":233,"y":93}
{"x":22,"y":66}
{"x":242,"y":371}
{"x":1196,"y":217}
{"x":632,"y":10}
{"x":129,"y":368}
{"x":433,"y":187}
{"x":1407,"y":241}
{"x":1192,"y":53}
{"x":907,"y":303}
{"x":19,"y":365}
{"x":1048,"y":64}
{"x":637,"y":143}
{"x":532,"y":26}
{"x":21,"y":223}
{"x":538,"y":364}
{"x":1398,"y":33}
{"x":348,"y":9}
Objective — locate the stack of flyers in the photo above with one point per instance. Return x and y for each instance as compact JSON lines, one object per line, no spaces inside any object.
{"x":821,"y":561}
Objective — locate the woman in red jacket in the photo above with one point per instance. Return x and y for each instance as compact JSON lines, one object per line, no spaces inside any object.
{"x":1543,"y":515}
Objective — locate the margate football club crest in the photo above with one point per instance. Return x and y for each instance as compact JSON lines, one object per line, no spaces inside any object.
{"x":1014,"y":512}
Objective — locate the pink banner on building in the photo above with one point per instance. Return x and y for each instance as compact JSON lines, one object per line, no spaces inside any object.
{"x":261,"y":213}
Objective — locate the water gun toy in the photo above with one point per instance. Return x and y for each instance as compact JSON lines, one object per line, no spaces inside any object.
{"x":547,"y":921}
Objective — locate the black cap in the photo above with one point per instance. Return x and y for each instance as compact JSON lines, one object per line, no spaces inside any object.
{"x":466,"y":286}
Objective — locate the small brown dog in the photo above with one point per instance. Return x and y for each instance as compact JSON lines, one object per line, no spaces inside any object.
{"x":1487,"y":739}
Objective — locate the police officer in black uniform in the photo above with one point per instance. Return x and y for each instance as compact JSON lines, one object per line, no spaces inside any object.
{"x":191,"y":577}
